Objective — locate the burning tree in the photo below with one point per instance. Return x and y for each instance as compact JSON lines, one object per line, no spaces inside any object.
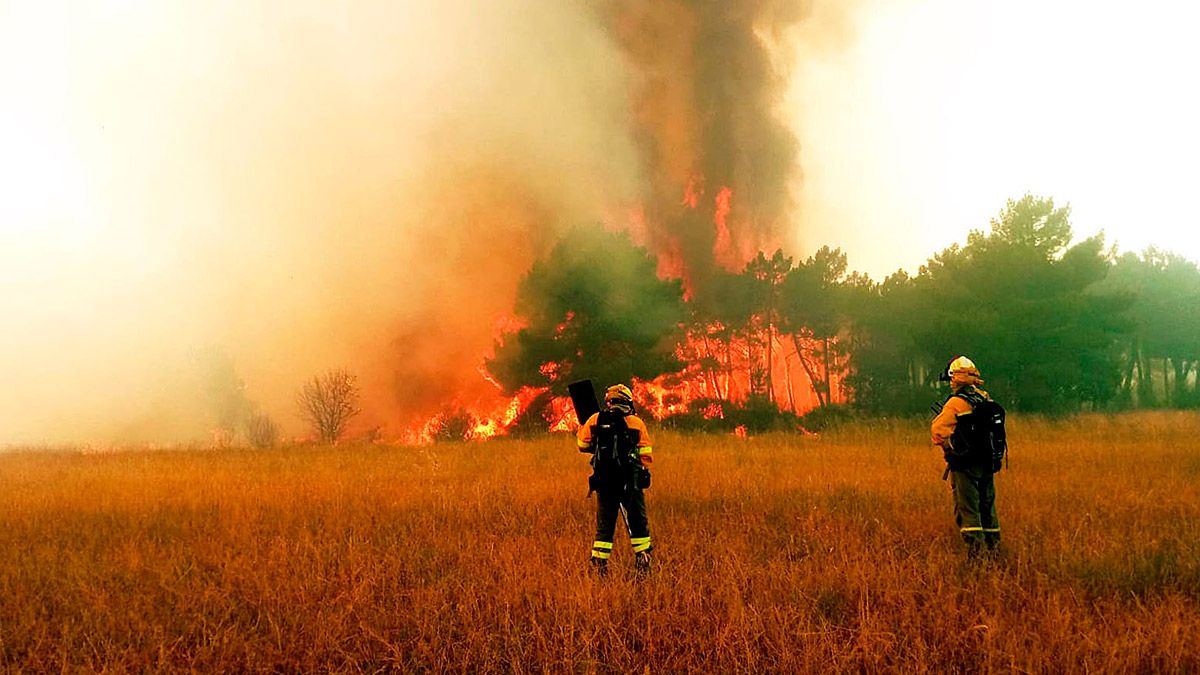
{"x":719,"y":320}
{"x":327,"y":402}
{"x":815,"y":293}
{"x":750,"y":330}
{"x":595,"y":309}
{"x":452,"y":424}
{"x":764,"y":279}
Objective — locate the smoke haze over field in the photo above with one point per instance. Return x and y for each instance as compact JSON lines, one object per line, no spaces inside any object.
{"x":300,"y":187}
{"x":295,"y":186}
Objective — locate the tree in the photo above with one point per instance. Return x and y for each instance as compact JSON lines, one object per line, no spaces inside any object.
{"x":719,"y":322}
{"x":451,"y":425}
{"x":328,"y":402}
{"x":225,"y":394}
{"x":1031,"y":223}
{"x":813,"y":315}
{"x":1166,"y":317}
{"x":594,"y":308}
{"x":261,"y":431}
{"x":1027,"y":309}
{"x":1036,"y":313}
{"x":764,"y":278}
{"x":889,"y":371}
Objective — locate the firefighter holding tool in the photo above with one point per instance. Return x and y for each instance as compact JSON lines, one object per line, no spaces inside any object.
{"x":620,"y":446}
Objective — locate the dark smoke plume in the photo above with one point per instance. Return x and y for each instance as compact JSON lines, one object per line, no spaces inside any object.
{"x":704,"y":82}
{"x":709,"y":79}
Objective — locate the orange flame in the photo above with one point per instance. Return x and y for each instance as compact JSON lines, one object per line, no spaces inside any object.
{"x":562,"y":415}
{"x":723,"y":206}
{"x":549,"y":370}
{"x":562,"y":327}
{"x":723,"y":246}
{"x":721,"y":368}
{"x":717,"y":373}
{"x":693,"y":192}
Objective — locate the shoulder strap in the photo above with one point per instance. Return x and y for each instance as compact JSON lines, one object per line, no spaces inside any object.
{"x":969,"y":395}
{"x":614,"y":419}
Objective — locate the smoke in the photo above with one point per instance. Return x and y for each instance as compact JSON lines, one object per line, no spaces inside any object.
{"x":305,"y":187}
{"x":709,"y":81}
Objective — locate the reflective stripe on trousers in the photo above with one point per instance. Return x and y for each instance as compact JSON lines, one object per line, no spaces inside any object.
{"x":601,"y":549}
{"x":629,"y":504}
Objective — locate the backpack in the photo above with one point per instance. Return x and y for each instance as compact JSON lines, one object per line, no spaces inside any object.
{"x":979,"y":438}
{"x":615,"y":463}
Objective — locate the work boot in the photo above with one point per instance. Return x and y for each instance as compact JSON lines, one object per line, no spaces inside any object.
{"x":642,"y":564}
{"x":599,"y":567}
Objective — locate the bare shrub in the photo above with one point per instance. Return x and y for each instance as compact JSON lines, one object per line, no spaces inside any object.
{"x":262,"y":431}
{"x":328,"y":402}
{"x":453,"y":425}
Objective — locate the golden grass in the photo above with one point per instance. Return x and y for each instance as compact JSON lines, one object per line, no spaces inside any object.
{"x":778,"y":553}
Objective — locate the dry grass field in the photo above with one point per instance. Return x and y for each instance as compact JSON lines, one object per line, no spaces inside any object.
{"x":775,"y":554}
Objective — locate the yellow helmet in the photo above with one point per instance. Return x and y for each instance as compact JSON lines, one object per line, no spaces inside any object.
{"x":962,"y":364}
{"x":618,"y":392}
{"x":959,"y":364}
{"x":618,"y":398}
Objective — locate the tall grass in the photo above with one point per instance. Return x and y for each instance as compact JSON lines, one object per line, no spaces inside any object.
{"x":775,"y":553}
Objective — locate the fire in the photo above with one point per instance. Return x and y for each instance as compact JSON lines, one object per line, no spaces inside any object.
{"x":693,"y":192}
{"x":723,"y":207}
{"x":721,"y":369}
{"x":562,"y":415}
{"x":507,"y":323}
{"x":459,"y":423}
{"x":723,"y":246}
{"x":719,"y":372}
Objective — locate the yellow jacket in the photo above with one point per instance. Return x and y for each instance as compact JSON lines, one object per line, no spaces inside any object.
{"x":943,"y":425}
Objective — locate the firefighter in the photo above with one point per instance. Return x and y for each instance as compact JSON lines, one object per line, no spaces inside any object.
{"x":619,"y":444}
{"x":971,"y":476}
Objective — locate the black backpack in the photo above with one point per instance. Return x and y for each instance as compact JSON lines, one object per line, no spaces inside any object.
{"x":979,"y":438}
{"x":615,"y":465}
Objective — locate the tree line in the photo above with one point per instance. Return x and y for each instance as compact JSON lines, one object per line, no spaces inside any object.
{"x":1055,"y":326}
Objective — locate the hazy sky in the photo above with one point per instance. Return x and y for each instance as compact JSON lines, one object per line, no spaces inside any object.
{"x":307,"y":186}
{"x":937,"y":111}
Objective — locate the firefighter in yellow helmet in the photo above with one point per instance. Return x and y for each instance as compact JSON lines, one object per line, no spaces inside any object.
{"x":620,"y":446}
{"x":971,"y":474}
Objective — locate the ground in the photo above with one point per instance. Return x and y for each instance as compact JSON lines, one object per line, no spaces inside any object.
{"x":775,"y":553}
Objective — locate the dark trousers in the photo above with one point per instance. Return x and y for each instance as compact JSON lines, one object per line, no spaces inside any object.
{"x":975,"y":507}
{"x":631,"y":504}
